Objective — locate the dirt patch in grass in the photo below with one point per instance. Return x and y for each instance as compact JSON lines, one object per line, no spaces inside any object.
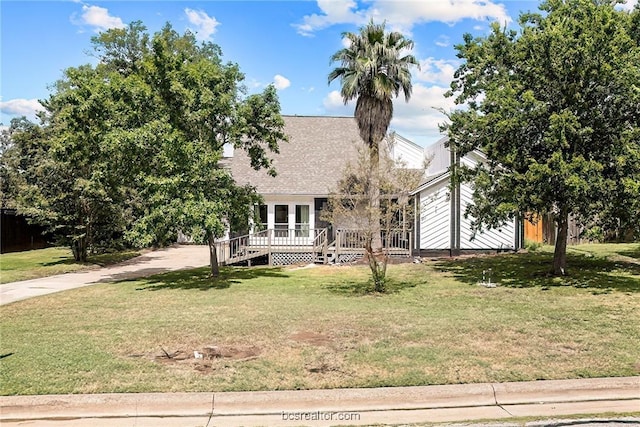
{"x":205,"y":359}
{"x":329,"y":364}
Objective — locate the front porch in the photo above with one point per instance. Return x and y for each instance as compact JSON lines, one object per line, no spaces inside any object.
{"x":303,"y":245}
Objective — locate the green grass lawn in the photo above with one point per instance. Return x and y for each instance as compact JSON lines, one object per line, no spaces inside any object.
{"x":50,"y":261}
{"x":286,"y":328}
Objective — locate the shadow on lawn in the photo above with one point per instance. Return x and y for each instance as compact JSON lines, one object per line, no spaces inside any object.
{"x":201,"y":280}
{"x":361,"y":287}
{"x":58,"y":262}
{"x":528,"y":270}
{"x":632,"y":253}
{"x":102,"y":260}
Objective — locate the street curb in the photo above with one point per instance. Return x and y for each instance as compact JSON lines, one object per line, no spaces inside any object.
{"x":513,"y":399}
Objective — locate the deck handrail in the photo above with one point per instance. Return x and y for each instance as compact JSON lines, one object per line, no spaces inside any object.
{"x":233,"y":248}
{"x":264,"y":242}
{"x":320,"y":244}
{"x":320,"y":238}
{"x":353,"y":239}
{"x":315,"y":241}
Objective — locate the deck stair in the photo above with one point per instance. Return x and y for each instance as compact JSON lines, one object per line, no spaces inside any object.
{"x":239,"y":249}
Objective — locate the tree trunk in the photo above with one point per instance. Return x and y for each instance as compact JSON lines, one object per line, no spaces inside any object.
{"x":377,"y":258}
{"x":79,"y":249}
{"x":374,"y":190}
{"x":560,"y":252}
{"x":378,"y":266}
{"x":213,"y":256}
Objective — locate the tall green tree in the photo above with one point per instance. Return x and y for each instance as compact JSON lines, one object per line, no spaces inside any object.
{"x":556,"y":108}
{"x":374,"y":69}
{"x":10,"y":177}
{"x":200,"y":106}
{"x":72,"y":186}
{"x":132,"y":145}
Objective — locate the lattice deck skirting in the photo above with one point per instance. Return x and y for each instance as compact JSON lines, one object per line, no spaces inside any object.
{"x":352,"y":257}
{"x":342,"y":258}
{"x":288,"y":258}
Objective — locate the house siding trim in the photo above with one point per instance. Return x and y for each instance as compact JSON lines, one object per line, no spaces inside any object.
{"x":435,"y":216}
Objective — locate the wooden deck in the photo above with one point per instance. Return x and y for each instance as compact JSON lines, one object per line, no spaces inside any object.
{"x":282,"y":247}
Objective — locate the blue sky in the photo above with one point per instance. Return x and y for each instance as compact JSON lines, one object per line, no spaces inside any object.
{"x":288,"y":43}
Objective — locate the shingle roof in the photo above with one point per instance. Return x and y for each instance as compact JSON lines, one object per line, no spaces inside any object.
{"x":310,"y":163}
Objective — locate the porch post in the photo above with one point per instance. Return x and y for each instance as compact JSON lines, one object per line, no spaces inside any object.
{"x":269,"y":236}
{"x":325,"y":247}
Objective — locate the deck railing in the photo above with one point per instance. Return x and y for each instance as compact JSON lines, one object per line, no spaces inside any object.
{"x":238,"y":248}
{"x":321,"y":245}
{"x":267,"y":242}
{"x":395,"y":242}
{"x":398,"y":240}
{"x":287,"y":237}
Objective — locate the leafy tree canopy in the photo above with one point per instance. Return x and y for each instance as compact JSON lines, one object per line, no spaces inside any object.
{"x":556,"y":108}
{"x":134,"y":143}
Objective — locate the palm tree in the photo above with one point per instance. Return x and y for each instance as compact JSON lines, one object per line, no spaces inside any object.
{"x":374,"y":69}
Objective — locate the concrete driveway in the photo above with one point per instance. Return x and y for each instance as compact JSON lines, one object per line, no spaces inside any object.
{"x":177,"y":257}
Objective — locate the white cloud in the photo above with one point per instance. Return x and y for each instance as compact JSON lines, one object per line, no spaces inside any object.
{"x":401,"y":15}
{"x":418,"y":119}
{"x":21,"y":107}
{"x":333,"y":12}
{"x":335,"y":106}
{"x":436,"y":70}
{"x":443,"y":41}
{"x":98,"y":18}
{"x":205,"y":25}
{"x":281,"y":82}
{"x":628,"y":5}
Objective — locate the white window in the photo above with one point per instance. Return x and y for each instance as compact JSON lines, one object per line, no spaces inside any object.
{"x":302,"y":221}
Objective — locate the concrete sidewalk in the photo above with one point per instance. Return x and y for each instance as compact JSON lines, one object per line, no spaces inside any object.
{"x":176,"y":257}
{"x":401,"y":405}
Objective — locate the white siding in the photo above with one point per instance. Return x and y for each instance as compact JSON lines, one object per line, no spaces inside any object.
{"x":405,"y":151}
{"x":435,"y":216}
{"x":439,"y":158}
{"x":499,"y":238}
{"x":472,"y":159}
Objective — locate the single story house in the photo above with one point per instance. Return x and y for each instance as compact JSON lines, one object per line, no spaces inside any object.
{"x":308,"y":168}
